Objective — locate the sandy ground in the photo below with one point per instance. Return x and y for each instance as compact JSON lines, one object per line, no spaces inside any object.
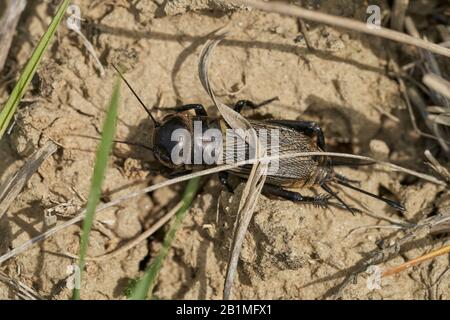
{"x":291,"y":251}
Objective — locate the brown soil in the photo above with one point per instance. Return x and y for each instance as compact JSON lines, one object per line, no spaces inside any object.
{"x":291,"y":251}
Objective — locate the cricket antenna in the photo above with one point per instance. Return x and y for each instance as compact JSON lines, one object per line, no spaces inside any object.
{"x":156,"y":123}
{"x":136,"y":144}
{"x":394,"y":204}
{"x":267,"y":102}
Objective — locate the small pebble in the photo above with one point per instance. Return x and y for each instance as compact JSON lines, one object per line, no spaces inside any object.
{"x":379,"y":149}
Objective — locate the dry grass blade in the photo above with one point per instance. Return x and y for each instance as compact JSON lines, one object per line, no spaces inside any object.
{"x":23,"y":247}
{"x":304,"y":31}
{"x":245,"y":214}
{"x":23,"y":291}
{"x":89,"y":47}
{"x":413,"y":97}
{"x":257,"y":175}
{"x":439,"y":115}
{"x":8,"y":23}
{"x":435,"y":109}
{"x":346,"y":23}
{"x":7,"y":113}
{"x":437,"y":84}
{"x":443,"y":119}
{"x":436,"y":166}
{"x":98,"y":175}
{"x":139,"y":238}
{"x":410,"y":27}
{"x":14,"y":184}
{"x":429,"y":65}
{"x":398,"y":14}
{"x":424,"y":228}
{"x":416,"y":261}
{"x":430,"y":69}
{"x":145,"y":285}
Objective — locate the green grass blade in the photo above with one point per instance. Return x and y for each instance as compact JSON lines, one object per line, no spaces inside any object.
{"x":144,"y":286}
{"x":101,"y":162}
{"x":28,"y":72}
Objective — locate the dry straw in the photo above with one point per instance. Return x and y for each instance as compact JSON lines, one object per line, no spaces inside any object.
{"x":257,"y":176}
{"x":346,"y":23}
{"x":23,"y":247}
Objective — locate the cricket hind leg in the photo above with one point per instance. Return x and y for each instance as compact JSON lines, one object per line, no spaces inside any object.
{"x":309,"y":128}
{"x":321,"y":200}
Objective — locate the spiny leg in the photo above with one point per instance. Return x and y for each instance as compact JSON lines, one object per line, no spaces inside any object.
{"x":319,"y":200}
{"x":334,"y":195}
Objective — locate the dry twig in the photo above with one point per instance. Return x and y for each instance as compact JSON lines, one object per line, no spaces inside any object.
{"x":133,"y":243}
{"x":420,"y":230}
{"x":304,"y":31}
{"x":14,"y":184}
{"x":436,"y":166}
{"x":412,"y":96}
{"x":23,"y":291}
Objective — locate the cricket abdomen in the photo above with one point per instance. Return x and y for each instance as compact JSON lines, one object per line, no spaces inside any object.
{"x":294,"y":172}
